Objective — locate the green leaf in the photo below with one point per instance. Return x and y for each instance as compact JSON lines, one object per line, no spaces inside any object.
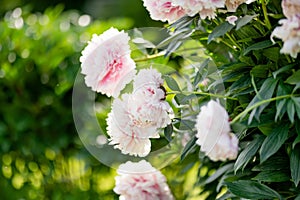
{"x":266,"y":91}
{"x":296,"y":101}
{"x":272,"y":53}
{"x":295,"y":165}
{"x":252,"y":190}
{"x":294,"y":79}
{"x":273,"y":142}
{"x":172,"y":84}
{"x":188,"y":148}
{"x":274,"y":163}
{"x":273,"y":176}
{"x":247,"y":154}
{"x":283,"y":69}
{"x":219,"y":172}
{"x":258,"y":46}
{"x":291,"y":110}
{"x":244,"y":20}
{"x":296,"y":141}
{"x":220,"y":30}
{"x":168,"y":132}
{"x":260,"y":71}
{"x":297,"y":197}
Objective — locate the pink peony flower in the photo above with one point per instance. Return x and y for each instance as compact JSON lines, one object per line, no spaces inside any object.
{"x":213,"y":133}
{"x":289,"y":33}
{"x":205,"y":8}
{"x":137,"y":117}
{"x":106,"y":62}
{"x":141,"y":181}
{"x":290,"y":7}
{"x":232,"y":5}
{"x":164,"y":10}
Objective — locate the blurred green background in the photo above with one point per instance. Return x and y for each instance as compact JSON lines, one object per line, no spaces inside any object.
{"x":41,"y":156}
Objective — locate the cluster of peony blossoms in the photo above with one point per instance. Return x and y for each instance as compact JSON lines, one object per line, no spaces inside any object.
{"x":214,"y":134}
{"x":135,"y":117}
{"x":289,"y":31}
{"x":172,"y":10}
{"x":137,"y":181}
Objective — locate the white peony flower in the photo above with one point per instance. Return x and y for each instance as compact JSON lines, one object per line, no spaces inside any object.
{"x":289,"y":33}
{"x":232,"y":5}
{"x":137,"y":117}
{"x":213,"y":133}
{"x":164,"y":10}
{"x":290,"y":8}
{"x":106,"y":62}
{"x":141,"y":181}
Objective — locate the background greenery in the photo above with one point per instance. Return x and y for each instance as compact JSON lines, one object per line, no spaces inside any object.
{"x":41,"y":156}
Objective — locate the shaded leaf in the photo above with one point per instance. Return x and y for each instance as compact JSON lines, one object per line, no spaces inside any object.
{"x":252,"y":190}
{"x":273,"y":176}
{"x":219,"y":172}
{"x":247,"y":154}
{"x":258,"y":46}
{"x":273,"y":142}
{"x":188,"y":148}
{"x":266,"y":92}
{"x":294,"y":79}
{"x":168,"y":132}
{"x":244,"y":20}
{"x":220,"y":30}
{"x":291,"y":110}
{"x":295,"y":165}
{"x":283,"y":69}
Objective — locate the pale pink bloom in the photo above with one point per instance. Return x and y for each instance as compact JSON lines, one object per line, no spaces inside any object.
{"x":164,"y":10}
{"x":139,"y":116}
{"x":289,"y":33}
{"x":213,"y":133}
{"x":290,"y":7}
{"x":141,"y":181}
{"x":106,"y":62}
{"x":130,"y":125}
{"x":232,"y":5}
{"x":232,"y":19}
{"x":205,"y":8}
{"x":226,"y":147}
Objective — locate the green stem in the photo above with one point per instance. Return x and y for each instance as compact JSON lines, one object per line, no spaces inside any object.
{"x":150,"y":57}
{"x":267,"y":21}
{"x":202,"y":93}
{"x":257,"y":105}
{"x":233,"y":41}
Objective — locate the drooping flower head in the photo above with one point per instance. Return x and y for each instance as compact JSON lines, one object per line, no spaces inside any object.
{"x":290,"y":8}
{"x":106,"y":62}
{"x":289,"y":33}
{"x":139,"y":116}
{"x":213,"y":133}
{"x":232,"y":5}
{"x":141,"y":181}
{"x":164,"y":10}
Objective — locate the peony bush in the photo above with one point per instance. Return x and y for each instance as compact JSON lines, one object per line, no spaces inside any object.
{"x":233,"y":105}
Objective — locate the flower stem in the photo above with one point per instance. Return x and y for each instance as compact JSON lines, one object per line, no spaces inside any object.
{"x":202,"y":93}
{"x":150,"y":57}
{"x":267,"y":21}
{"x":239,"y":116}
